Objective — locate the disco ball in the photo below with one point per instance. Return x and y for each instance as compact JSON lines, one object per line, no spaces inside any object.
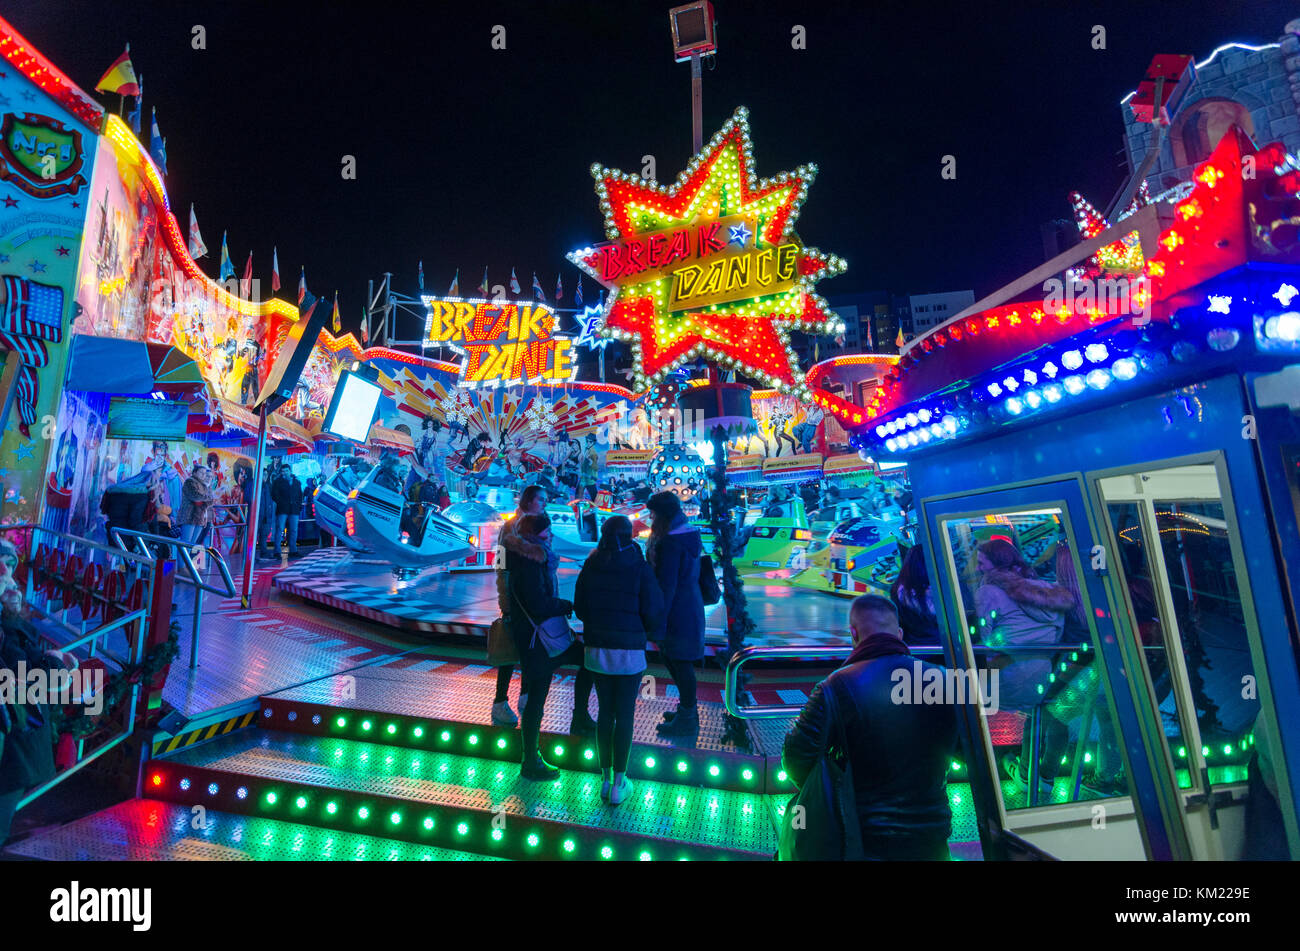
{"x":677,"y":469}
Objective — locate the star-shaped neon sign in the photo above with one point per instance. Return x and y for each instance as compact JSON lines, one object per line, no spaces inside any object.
{"x":680,"y":290}
{"x":590,"y":336}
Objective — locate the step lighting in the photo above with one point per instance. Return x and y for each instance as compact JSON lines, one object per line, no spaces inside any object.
{"x":559,"y":750}
{"x":781,"y":776}
{"x":1182,"y":752}
{"x":395,"y":818}
{"x":462,"y":828}
{"x":588,"y":753}
{"x":1205,"y":751}
{"x":649,"y":762}
{"x":271,"y":799}
{"x":445,"y":736}
{"x":714,"y":771}
{"x":681,"y":766}
{"x":418,"y":732}
{"x":185,"y":784}
{"x":331,"y":807}
{"x":473,"y":739}
{"x":241,"y":792}
{"x":570,"y":845}
{"x":1227,"y":749}
{"x":341,"y":722}
{"x":301,"y":802}
{"x":392,"y":729}
{"x":533,"y":840}
{"x":363,"y":813}
{"x":428,"y":823}
{"x":315,"y":719}
{"x":497,"y":835}
{"x":746,"y":774}
{"x":212,"y":789}
{"x":501,"y":743}
{"x":606,"y":852}
{"x":157,"y":779}
{"x":644,"y":857}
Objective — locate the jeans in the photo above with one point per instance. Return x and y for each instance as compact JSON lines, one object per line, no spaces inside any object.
{"x":683,"y":674}
{"x":267,"y":518}
{"x":617,"y":696}
{"x":292,"y":521}
{"x":190,"y":532}
{"x":536,"y":669}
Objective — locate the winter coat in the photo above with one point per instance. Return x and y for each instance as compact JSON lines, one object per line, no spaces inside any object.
{"x":618,"y":600}
{"x":898,"y":751}
{"x":1016,"y":611}
{"x":676,"y":561}
{"x":286,"y":493}
{"x":533,"y":587}
{"x":196,"y":502}
{"x":507,"y":541}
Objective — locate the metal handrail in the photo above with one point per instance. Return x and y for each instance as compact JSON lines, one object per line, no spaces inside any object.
{"x":89,"y":639}
{"x":731,"y":677}
{"x":185,"y":552}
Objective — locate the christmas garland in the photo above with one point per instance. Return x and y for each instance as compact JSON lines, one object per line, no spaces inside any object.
{"x":118,"y":688}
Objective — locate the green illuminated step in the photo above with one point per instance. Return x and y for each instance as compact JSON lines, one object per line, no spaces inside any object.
{"x":302,"y":766}
{"x":142,"y":830}
{"x":965,"y":826}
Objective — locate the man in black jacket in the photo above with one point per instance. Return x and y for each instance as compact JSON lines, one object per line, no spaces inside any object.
{"x":898,"y":749}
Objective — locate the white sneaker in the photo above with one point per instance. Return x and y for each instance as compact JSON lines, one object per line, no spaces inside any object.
{"x":620,"y":791}
{"x":502,"y":715}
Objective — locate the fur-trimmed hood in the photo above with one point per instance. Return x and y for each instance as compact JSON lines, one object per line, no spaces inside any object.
{"x":512,"y":541}
{"x":1042,"y":594}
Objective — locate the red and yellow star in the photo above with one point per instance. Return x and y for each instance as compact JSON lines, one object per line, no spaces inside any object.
{"x":726,"y":241}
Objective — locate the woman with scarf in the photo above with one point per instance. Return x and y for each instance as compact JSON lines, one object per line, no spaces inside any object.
{"x":1018,"y":609}
{"x":619,"y":601}
{"x":196,"y":503}
{"x":533,"y":587}
{"x":674,"y":552}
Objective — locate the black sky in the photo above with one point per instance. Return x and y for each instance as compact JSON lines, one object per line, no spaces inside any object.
{"x":469,"y":156}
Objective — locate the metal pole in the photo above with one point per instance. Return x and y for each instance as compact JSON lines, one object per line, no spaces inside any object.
{"x":388,"y":304}
{"x":370,"y":306}
{"x":194,"y":634}
{"x":697,"y":105}
{"x":253,"y":538}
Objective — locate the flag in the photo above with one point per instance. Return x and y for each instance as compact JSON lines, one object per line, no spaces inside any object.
{"x":197,"y":248}
{"x":454,"y":290}
{"x":246,"y":283}
{"x":302,"y":286}
{"x":120,"y":77}
{"x":365,"y":334}
{"x":134,"y":115}
{"x":338,"y":321}
{"x":275,"y":270}
{"x":483,"y":288}
{"x":157,"y":144}
{"x":421,"y":275}
{"x":898,"y":341}
{"x":514,"y":282}
{"x":227,"y":269}
{"x":577,"y":295}
{"x":559,"y":289}
{"x":537,"y":289}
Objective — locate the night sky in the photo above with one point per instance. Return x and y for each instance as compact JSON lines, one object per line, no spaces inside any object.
{"x":469,"y":156}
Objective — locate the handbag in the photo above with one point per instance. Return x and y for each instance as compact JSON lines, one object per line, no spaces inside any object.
{"x":501,"y":649}
{"x":709,"y":589}
{"x":827,"y":828}
{"x":554,"y":632}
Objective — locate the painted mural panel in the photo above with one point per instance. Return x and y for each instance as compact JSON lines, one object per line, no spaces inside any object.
{"x":46,"y":161}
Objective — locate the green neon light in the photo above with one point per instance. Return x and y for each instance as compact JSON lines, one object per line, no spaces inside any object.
{"x":428,"y":822}
{"x":462,"y":828}
{"x":363,"y":813}
{"x":644,"y":857}
{"x":341,"y":722}
{"x":271,"y":798}
{"x":497,"y":835}
{"x":569,"y":845}
{"x":649,"y":762}
{"x":559,"y":750}
{"x":747,"y":774}
{"x":418,"y":732}
{"x":392,"y":729}
{"x":501,"y":743}
{"x":681,"y":766}
{"x":714,"y":771}
{"x":588,"y":753}
{"x":473,"y":739}
{"x":366,"y":725}
{"x":395,"y":818}
{"x":331,"y":807}
{"x":606,"y":852}
{"x":445,"y":735}
{"x":301,"y":802}
{"x":533,"y":840}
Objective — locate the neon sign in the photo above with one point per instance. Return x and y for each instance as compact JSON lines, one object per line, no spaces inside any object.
{"x":500,"y":343}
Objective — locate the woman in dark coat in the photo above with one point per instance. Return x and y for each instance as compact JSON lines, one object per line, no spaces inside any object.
{"x":674,"y":552}
{"x":534,"y":592}
{"x":619,"y":602}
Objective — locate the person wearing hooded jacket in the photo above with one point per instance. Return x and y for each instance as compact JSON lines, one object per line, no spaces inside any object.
{"x":533,"y":586}
{"x":1018,"y":609}
{"x":674,"y":552}
{"x":618,"y":599}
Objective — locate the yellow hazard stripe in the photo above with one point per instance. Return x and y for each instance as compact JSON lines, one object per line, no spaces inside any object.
{"x":202,"y":733}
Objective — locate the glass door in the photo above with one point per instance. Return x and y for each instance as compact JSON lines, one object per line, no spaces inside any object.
{"x":1026,"y":613}
{"x":1179,"y":566}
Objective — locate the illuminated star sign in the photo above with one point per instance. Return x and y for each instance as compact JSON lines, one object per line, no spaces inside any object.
{"x":590,"y":336}
{"x":686,"y":280}
{"x":1220,"y":304}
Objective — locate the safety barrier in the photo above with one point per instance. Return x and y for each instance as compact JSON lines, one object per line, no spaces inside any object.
{"x":88,"y":579}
